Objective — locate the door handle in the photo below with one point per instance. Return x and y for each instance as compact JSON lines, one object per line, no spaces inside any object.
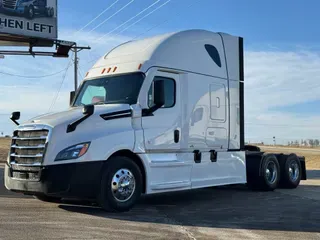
{"x":176,"y":136}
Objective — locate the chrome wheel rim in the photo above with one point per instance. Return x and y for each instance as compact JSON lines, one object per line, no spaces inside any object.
{"x":271,"y":173}
{"x":123,"y":185}
{"x":294,"y":171}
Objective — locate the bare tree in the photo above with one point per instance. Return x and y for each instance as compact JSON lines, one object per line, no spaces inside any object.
{"x":316,"y":142}
{"x":311,"y":142}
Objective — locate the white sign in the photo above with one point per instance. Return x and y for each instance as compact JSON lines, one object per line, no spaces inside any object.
{"x":31,"y":18}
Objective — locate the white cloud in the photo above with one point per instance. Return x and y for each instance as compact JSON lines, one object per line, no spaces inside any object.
{"x":279,"y":79}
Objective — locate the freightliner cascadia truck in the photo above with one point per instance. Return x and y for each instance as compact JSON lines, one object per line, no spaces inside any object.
{"x":156,"y":115}
{"x":28,"y":8}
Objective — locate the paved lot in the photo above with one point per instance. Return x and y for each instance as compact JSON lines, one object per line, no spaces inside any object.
{"x":219,"y":213}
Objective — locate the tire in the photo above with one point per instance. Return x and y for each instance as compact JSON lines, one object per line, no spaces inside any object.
{"x":29,"y":12}
{"x":269,"y":174}
{"x":25,"y":12}
{"x":291,"y":172}
{"x":47,"y":11}
{"x":117,"y":170}
{"x":45,"y":198}
{"x":51,"y":12}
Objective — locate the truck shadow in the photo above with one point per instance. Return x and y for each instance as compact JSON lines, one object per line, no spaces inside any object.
{"x":224,"y":207}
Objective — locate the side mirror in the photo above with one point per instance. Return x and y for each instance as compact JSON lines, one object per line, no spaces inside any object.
{"x":88,"y":110}
{"x":159,"y":93}
{"x":14,"y":117}
{"x":72,"y":95}
{"x":158,"y":98}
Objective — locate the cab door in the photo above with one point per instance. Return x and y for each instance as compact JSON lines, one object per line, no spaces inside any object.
{"x":162,"y":128}
{"x":169,"y":169}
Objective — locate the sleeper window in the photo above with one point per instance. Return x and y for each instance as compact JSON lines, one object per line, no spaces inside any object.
{"x":169,"y":92}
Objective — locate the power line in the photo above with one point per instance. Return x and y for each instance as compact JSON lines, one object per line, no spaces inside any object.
{"x":99,"y":15}
{"x":40,"y":76}
{"x":129,"y":20}
{"x":139,"y":20}
{"x":59,"y":89}
{"x":80,"y":72}
{"x":112,"y":16}
{"x":164,"y":22}
{"x":153,"y":27}
{"x":156,"y":9}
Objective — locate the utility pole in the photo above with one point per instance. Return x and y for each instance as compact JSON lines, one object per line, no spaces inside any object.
{"x":76,"y":61}
{"x":77,"y":49}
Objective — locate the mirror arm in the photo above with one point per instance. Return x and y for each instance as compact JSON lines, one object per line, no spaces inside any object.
{"x":72,"y":126}
{"x":151,"y":110}
{"x":87,"y":113}
{"x":15,"y":121}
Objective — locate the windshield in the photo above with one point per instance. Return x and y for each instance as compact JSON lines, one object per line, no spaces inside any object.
{"x":107,"y":90}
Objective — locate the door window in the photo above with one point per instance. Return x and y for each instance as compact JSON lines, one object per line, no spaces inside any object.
{"x":169,"y":92}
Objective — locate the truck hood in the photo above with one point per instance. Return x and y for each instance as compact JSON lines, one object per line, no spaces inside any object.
{"x":72,"y":114}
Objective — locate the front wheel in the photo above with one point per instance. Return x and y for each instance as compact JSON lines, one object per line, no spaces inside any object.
{"x":121,"y":184}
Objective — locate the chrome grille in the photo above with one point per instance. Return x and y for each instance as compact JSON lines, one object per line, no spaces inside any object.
{"x":30,"y":143}
{"x":11,"y":4}
{"x":28,"y":146}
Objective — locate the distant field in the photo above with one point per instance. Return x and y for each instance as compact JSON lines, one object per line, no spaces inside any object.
{"x":312,"y":155}
{"x":4,"y":148}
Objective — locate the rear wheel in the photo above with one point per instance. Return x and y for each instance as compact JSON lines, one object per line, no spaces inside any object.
{"x":121,"y":185}
{"x":269,"y":177}
{"x":291,"y":172}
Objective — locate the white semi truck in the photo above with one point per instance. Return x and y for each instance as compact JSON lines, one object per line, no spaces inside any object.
{"x":155,"y":115}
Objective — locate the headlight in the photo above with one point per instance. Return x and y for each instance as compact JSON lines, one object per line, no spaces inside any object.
{"x":73,"y":152}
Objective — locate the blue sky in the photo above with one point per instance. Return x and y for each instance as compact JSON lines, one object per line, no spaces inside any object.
{"x":285,"y":22}
{"x":282,"y":59}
